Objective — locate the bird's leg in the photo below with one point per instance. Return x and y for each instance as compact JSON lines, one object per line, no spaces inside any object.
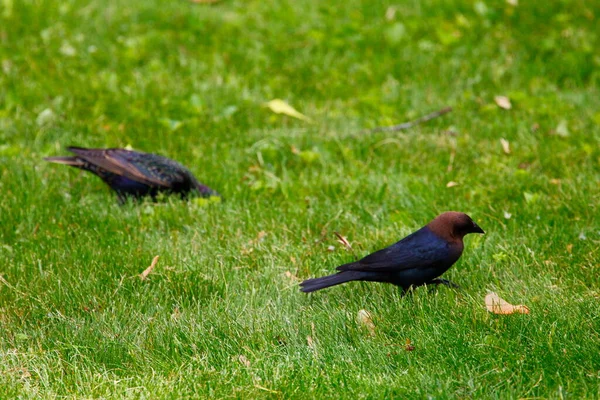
{"x":121,"y":198}
{"x":446,"y":282}
{"x":406,"y":291}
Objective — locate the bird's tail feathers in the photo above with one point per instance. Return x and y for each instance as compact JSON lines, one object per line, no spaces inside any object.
{"x":310,"y":285}
{"x":72,"y":161}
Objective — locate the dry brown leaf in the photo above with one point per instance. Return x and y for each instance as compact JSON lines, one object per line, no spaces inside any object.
{"x":451,"y":184}
{"x":503,"y":102}
{"x":497,"y":305}
{"x":570,"y":248}
{"x":409,"y":346}
{"x":291,"y":276}
{"x":344,"y":241}
{"x":260,"y":236}
{"x":505,"y":146}
{"x":364,"y":319}
{"x":244,"y":361}
{"x":149,"y":270}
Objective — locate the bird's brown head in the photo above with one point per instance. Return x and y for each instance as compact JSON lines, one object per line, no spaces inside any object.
{"x":453,"y":225}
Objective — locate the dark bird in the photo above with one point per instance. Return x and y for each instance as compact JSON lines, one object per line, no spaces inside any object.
{"x":135,"y":174}
{"x":418,"y":259}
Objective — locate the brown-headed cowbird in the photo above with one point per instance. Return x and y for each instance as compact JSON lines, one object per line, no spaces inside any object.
{"x":416,"y":260}
{"x":136,"y":174}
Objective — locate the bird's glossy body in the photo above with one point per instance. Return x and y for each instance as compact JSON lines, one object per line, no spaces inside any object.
{"x":416,"y":260}
{"x":136,"y":174}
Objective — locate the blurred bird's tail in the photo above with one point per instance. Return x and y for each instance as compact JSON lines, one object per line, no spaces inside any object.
{"x":310,"y":285}
{"x":72,"y":161}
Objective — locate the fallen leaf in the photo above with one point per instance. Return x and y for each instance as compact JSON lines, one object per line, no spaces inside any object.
{"x":244,"y":361}
{"x":149,"y":270}
{"x":497,"y":305}
{"x":570,"y":248}
{"x":260,"y":236}
{"x":451,"y":184}
{"x":279,"y":106}
{"x":364,"y":319}
{"x":343,"y":241}
{"x":531,"y":197}
{"x":562,"y":129}
{"x":409,"y":346}
{"x":291,"y":276}
{"x":503,"y":102}
{"x":46,"y":117}
{"x":25,"y":374}
{"x":505,"y":146}
{"x":67,"y":50}
{"x":390,"y":13}
{"x":171,"y":124}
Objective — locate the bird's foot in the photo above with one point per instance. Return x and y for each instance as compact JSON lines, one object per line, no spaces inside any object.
{"x":446,"y":282}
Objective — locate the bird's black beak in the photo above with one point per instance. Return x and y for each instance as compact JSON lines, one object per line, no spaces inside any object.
{"x":476,"y":228}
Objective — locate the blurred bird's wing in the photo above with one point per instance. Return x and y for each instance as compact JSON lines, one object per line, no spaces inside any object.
{"x":418,"y":250}
{"x":127,"y":163}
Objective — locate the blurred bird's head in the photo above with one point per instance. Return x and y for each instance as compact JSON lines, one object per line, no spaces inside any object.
{"x":454,"y":224}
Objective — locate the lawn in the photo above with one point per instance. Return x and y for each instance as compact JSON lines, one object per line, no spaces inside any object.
{"x":221,"y":316}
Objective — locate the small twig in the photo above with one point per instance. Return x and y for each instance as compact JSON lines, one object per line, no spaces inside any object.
{"x":410,"y":124}
{"x":148,"y":270}
{"x":345,"y":243}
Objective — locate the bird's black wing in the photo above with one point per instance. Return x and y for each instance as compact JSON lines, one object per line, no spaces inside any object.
{"x":149,"y":169}
{"x":420,"y":249}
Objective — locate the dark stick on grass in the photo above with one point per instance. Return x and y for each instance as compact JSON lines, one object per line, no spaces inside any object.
{"x":410,"y":124}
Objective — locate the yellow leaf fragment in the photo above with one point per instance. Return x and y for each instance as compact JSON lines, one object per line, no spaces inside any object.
{"x":497,"y":305}
{"x":279,"y":106}
{"x":149,"y":270}
{"x":364,"y":319}
{"x":505,"y":145}
{"x":503,"y":102}
{"x":451,"y":184}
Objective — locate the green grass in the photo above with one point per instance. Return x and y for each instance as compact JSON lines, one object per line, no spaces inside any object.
{"x":219,"y":317}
